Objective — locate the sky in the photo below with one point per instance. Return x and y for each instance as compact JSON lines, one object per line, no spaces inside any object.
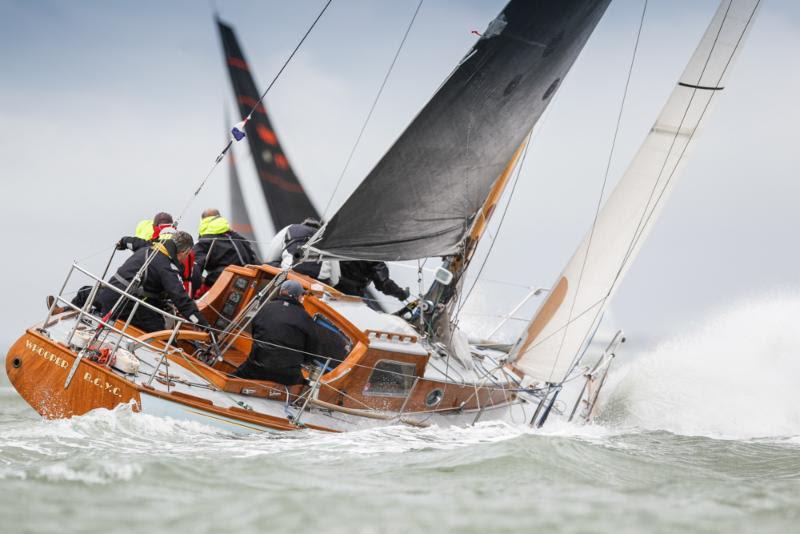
{"x":113,"y":111}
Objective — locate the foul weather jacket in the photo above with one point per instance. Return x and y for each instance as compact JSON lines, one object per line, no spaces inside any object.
{"x":218,"y":247}
{"x":137,"y":242}
{"x":161,"y":282}
{"x":356,"y":276}
{"x":284,"y":336}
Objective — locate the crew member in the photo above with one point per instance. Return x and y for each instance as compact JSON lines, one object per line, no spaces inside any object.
{"x":286,"y":250}
{"x":284,"y":336}
{"x":149,"y":230}
{"x":356,"y":276}
{"x":217,"y":247}
{"x":161,"y":228}
{"x":159,"y":283}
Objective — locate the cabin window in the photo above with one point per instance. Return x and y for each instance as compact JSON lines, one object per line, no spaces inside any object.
{"x":391,"y":379}
{"x":331,"y":342}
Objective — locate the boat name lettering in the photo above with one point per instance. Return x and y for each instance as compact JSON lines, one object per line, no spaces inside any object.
{"x":46,"y":354}
{"x":102,"y":384}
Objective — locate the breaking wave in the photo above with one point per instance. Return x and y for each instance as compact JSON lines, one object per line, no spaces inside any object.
{"x":735,"y":376}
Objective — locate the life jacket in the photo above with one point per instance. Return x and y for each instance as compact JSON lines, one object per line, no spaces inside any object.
{"x":161,"y":233}
{"x":213,"y":225}
{"x":148,"y":231}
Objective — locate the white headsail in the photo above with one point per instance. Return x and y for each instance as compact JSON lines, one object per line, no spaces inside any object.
{"x":566,"y":320}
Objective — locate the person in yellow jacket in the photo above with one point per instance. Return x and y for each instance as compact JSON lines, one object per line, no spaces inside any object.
{"x":150,"y":229}
{"x":217,"y":247}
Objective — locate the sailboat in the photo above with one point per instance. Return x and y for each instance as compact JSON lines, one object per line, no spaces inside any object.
{"x":431,"y":195}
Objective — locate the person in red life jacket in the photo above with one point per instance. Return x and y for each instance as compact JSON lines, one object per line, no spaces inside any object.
{"x":217,"y":247}
{"x":161,"y":228}
{"x":160,"y":284}
{"x":284,"y":336}
{"x":148,"y":232}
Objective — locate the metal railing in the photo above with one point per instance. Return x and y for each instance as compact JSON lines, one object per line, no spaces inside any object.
{"x":598,"y":371}
{"x":85,"y":316}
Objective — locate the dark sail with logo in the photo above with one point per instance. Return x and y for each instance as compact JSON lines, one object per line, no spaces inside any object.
{"x":286,"y":199}
{"x":421,"y":198}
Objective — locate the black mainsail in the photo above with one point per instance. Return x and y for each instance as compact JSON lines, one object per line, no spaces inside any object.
{"x":286,"y":199}
{"x":420,"y":200}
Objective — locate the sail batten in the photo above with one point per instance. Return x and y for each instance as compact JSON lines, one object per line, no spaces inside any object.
{"x":559,"y":331}
{"x":422,"y":197}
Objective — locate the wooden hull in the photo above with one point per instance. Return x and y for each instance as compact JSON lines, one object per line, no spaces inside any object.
{"x":388,"y":375}
{"x":38,"y":368}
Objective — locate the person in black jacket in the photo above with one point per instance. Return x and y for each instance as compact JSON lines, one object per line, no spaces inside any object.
{"x":217,"y":247}
{"x":356,"y":275}
{"x":286,"y":251}
{"x":160,"y":282}
{"x":284,"y":336}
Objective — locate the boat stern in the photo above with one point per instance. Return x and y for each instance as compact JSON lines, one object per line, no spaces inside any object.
{"x":38,"y":369}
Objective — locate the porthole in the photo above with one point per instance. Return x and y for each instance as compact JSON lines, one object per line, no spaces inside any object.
{"x":434,"y":398}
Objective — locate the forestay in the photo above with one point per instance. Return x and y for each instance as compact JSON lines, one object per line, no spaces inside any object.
{"x":564,"y":324}
{"x":421,"y":198}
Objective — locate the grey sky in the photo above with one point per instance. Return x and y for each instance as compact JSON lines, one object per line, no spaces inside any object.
{"x":112,"y":111}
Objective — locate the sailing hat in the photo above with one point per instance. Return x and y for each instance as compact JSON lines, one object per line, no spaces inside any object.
{"x":291,"y":289}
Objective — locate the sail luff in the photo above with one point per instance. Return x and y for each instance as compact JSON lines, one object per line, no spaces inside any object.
{"x":563,"y":325}
{"x":286,"y":198}
{"x":422,"y":197}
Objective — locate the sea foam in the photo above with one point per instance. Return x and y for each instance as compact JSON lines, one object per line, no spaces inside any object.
{"x":733,"y":376}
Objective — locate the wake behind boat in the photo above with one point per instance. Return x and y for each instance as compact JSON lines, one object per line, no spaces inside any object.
{"x":414,"y":367}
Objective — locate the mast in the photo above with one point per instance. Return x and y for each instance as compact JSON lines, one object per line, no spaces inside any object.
{"x":441,"y":295}
{"x":286,"y":198}
{"x":563,"y":326}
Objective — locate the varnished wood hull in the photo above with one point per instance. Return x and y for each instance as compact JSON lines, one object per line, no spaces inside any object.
{"x":38,"y":368}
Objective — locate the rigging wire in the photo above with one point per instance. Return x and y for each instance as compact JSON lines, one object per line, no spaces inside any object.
{"x":605,"y":180}
{"x":646,"y":216}
{"x":258,"y":103}
{"x":542,"y":124}
{"x":371,"y":110}
{"x":499,"y":226}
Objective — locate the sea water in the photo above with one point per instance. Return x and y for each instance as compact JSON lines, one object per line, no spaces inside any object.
{"x":699,"y":433}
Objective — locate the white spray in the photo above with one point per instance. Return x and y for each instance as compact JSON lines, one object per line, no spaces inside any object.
{"x":735,"y":376}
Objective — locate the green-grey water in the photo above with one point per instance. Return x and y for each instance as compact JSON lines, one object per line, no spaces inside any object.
{"x":701,"y":434}
{"x":114,"y":471}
